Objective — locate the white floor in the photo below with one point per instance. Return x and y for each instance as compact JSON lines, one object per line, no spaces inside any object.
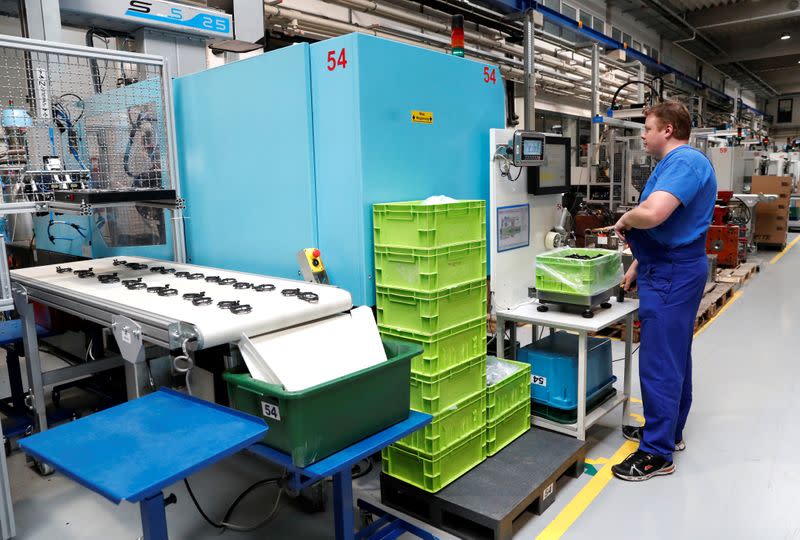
{"x":737,"y":478}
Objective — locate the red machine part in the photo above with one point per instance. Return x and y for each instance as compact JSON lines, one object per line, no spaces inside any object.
{"x":723,"y":241}
{"x":721,"y":208}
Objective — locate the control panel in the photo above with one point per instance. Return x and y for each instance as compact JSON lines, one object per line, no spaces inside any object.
{"x":311,"y":266}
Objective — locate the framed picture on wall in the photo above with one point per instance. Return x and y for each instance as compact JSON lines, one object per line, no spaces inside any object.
{"x":784,"y":111}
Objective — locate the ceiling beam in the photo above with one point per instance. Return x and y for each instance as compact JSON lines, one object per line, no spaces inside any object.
{"x":743,"y":13}
{"x":747,"y":51}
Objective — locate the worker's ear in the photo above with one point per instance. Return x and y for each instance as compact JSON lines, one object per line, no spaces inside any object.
{"x":669,"y":130}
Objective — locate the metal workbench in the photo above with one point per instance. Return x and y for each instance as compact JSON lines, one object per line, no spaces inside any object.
{"x":559,"y":319}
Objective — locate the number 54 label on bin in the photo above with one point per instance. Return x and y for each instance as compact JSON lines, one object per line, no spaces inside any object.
{"x":538,"y":380}
{"x":270,"y":411}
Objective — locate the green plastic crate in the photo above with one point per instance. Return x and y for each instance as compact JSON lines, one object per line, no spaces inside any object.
{"x":555,"y":273}
{"x":507,"y":428}
{"x":444,"y":350}
{"x":432,"y":472}
{"x":429,"y":313}
{"x":509,"y":393}
{"x":313,"y":424}
{"x":429,"y":270}
{"x":437,"y":393}
{"x":449,"y":427}
{"x":412,"y":224}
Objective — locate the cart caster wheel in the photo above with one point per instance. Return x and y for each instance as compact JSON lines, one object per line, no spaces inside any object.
{"x":588,"y":314}
{"x":606,"y":305}
{"x":44,"y":469}
{"x":542,"y":309}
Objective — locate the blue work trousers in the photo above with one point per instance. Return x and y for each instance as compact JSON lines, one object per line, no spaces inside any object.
{"x":671,"y":283}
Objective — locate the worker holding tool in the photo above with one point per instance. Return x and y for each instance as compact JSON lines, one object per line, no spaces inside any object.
{"x":667,"y":235}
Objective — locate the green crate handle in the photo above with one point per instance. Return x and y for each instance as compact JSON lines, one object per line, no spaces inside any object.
{"x":402,"y":215}
{"x":401,"y":257}
{"x":402,"y":299}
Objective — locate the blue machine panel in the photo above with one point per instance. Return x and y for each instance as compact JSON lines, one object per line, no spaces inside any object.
{"x":370,"y":148}
{"x":246,"y":161}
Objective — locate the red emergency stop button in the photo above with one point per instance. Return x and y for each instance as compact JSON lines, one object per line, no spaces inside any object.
{"x":315,"y":253}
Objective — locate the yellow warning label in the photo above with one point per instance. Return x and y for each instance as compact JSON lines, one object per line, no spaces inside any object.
{"x":422,"y":117}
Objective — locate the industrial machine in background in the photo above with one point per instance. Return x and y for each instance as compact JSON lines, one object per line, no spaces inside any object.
{"x":352,"y":121}
{"x":725,"y":238}
{"x":95,"y":153}
{"x":639,"y":166}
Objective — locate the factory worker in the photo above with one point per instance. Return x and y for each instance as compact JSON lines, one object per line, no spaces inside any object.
{"x":667,"y":234}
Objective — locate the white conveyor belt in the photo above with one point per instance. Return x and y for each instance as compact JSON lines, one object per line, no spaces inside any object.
{"x":272,"y":311}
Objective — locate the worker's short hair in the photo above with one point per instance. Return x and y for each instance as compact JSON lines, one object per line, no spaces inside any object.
{"x":675,"y":113}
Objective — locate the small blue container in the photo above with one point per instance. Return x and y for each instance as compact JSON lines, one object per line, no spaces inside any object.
{"x":554,"y":368}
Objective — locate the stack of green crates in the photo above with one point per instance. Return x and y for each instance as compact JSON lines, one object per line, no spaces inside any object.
{"x":430,"y":277}
{"x":508,"y":406}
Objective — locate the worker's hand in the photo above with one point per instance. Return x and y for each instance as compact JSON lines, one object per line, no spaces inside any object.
{"x":629,"y":281}
{"x":622,"y":227}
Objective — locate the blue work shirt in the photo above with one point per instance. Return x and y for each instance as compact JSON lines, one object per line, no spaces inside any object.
{"x":687,"y":174}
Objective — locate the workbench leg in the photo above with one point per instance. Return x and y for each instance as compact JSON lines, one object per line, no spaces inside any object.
{"x":626,"y":405}
{"x":15,"y":379}
{"x":512,"y":334}
{"x":343,"y":505}
{"x":137,"y":379}
{"x":500,"y":337}
{"x":32,"y":360}
{"x":583,"y":353}
{"x":154,"y":518}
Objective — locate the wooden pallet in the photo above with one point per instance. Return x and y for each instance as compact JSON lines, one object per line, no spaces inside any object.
{"x":618,"y":331}
{"x":739,"y":275}
{"x":771,"y":247}
{"x":713,"y":301}
{"x":485,"y":503}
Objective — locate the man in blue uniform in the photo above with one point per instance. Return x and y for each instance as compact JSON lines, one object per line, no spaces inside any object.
{"x":667,"y":234}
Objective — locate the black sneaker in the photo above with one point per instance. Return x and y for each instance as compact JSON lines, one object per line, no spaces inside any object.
{"x":641,"y":466}
{"x":634,"y":433}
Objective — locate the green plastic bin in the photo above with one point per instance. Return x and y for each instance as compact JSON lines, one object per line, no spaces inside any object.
{"x":446,"y":349}
{"x":313,"y":424}
{"x":556,"y":273}
{"x":449,"y":427}
{"x":509,"y":393}
{"x":412,"y":224}
{"x":429,"y":270}
{"x":508,"y":428}
{"x":435,"y":394}
{"x":429,"y":313}
{"x":432,"y":472}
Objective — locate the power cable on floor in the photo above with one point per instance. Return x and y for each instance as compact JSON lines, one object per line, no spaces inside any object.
{"x":224,"y":524}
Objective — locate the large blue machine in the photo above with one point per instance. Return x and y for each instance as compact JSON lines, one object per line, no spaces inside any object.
{"x":290,"y":149}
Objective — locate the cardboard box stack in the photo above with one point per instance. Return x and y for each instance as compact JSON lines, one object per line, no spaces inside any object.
{"x":772,"y":219}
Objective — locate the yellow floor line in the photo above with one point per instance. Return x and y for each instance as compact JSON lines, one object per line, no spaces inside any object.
{"x":596,"y":461}
{"x":638,"y":417}
{"x":736,"y":296}
{"x":636,"y":400}
{"x":585,"y":496}
{"x":777,"y":257}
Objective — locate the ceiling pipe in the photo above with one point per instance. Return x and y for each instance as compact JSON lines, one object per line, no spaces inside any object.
{"x":326,"y":25}
{"x":767,"y":17}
